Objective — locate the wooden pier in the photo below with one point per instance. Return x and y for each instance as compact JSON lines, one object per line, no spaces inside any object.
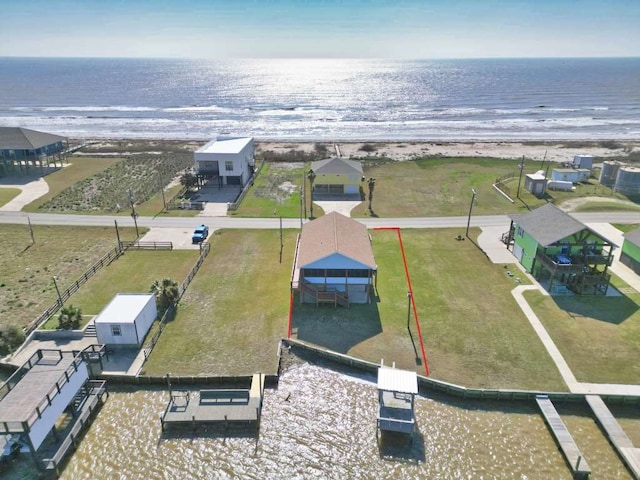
{"x":570,"y":450}
{"x":630,"y":455}
{"x":216,"y":406}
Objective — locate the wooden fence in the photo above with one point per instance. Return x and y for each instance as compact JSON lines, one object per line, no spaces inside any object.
{"x":137,"y":245}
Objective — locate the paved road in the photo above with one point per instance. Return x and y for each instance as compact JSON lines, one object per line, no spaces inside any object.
{"x":236,"y":222}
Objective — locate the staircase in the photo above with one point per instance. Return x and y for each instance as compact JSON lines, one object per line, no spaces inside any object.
{"x":90,"y":330}
{"x":337,"y":298}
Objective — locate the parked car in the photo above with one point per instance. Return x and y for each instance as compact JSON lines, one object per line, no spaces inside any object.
{"x":200,"y":234}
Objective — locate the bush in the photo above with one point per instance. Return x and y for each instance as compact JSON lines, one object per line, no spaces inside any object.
{"x":70,"y":318}
{"x":368,"y":147}
{"x":11,"y":337}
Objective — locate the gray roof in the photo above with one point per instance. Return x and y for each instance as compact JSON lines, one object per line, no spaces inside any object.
{"x":633,"y":236}
{"x":337,"y":166}
{"x":18,"y":138}
{"x":548,"y":225}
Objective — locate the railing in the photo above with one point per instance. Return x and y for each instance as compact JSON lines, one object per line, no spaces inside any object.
{"x":138,"y":245}
{"x":559,"y":267}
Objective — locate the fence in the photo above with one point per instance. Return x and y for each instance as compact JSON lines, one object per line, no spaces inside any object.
{"x":105,"y":260}
{"x":137,"y":245}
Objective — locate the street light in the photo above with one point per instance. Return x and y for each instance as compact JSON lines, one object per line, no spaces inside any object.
{"x":408,"y":308}
{"x":473,"y":199}
{"x":55,"y":283}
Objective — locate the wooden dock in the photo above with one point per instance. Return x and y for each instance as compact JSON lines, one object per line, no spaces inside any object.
{"x":570,"y":450}
{"x":216,"y":406}
{"x":630,"y":455}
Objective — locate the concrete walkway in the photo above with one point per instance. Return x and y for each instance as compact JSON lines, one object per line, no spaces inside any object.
{"x":490,"y":241}
{"x":32,"y":188}
{"x":343,"y":207}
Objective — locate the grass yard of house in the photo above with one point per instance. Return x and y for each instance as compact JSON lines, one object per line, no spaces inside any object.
{"x":8,"y":194}
{"x":133,"y":272}
{"x":599,"y":337}
{"x":26,"y":270}
{"x":235,"y":310}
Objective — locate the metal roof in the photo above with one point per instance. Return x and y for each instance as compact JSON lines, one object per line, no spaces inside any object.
{"x":124,"y":308}
{"x":548,"y":225}
{"x":337,"y":166}
{"x":18,"y":138}
{"x":225,"y":145}
{"x":396,"y":380}
{"x":633,"y":236}
{"x":335,"y":233}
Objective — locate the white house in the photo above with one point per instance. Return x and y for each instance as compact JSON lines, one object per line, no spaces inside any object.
{"x":126,"y":319}
{"x":230,"y":158}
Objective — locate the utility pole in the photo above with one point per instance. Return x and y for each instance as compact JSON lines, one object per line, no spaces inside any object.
{"x":164,"y":201}
{"x":311,"y":176}
{"x":303,"y":197}
{"x":117,"y":234}
{"x":473,"y":199}
{"x":521,"y":167}
{"x":55,"y":283}
{"x":134,"y":215}
{"x":301,"y":201}
{"x":33,"y":240}
{"x":408,"y":308}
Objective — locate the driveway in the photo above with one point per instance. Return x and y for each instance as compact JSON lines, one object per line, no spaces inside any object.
{"x":32,"y":189}
{"x":180,"y":237}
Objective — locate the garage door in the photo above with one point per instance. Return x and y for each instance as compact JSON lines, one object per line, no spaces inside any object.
{"x":328,"y":188}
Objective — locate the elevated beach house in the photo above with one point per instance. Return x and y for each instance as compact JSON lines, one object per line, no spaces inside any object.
{"x":230,"y":160}
{"x":337,"y":176}
{"x":23,"y":148}
{"x":334,"y":262}
{"x":561,"y":252}
{"x":630,"y":255}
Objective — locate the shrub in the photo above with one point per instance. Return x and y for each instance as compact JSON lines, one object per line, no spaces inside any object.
{"x":11,"y":337}
{"x":368,"y":147}
{"x":70,"y":318}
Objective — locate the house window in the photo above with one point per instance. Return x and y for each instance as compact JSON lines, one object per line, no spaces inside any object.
{"x":228,"y":166}
{"x":520,"y":232}
{"x":115,"y":330}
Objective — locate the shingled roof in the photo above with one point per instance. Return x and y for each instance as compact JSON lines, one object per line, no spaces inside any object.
{"x":335,"y":233}
{"x":18,"y":138}
{"x":548,"y":224}
{"x":337,"y":166}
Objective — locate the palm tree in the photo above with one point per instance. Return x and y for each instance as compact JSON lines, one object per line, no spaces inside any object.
{"x":166,"y":292}
{"x":372,"y":184}
{"x":70,"y":318}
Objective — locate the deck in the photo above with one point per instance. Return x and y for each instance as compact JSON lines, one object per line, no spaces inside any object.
{"x":570,"y":450}
{"x":619,"y":439}
{"x":222,"y":406}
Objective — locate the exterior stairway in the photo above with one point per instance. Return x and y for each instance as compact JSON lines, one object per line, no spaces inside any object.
{"x":90,"y":330}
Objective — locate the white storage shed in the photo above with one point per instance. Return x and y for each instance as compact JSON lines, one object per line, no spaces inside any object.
{"x":230,"y":158}
{"x":126,"y":319}
{"x":583,"y":161}
{"x":566,"y":175}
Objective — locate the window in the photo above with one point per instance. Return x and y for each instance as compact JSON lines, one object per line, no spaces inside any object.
{"x":520,"y":232}
{"x":115,"y":330}
{"x":228,"y":166}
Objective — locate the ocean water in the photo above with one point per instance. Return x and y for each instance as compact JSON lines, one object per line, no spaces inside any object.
{"x":337,"y":99}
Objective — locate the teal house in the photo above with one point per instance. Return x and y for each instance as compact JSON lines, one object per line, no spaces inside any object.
{"x":562,"y":253}
{"x":630,"y":254}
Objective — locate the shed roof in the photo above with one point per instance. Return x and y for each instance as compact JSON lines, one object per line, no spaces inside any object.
{"x":633,"y":236}
{"x":225,"y":145}
{"x":335,"y":233}
{"x":396,"y":380}
{"x":337,"y":166}
{"x":536,"y":176}
{"x":548,"y":224}
{"x":124,"y":308}
{"x":18,"y":138}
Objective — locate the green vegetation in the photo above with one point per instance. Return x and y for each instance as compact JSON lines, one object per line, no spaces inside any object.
{"x":133,"y":272}
{"x":624,"y":227}
{"x":235,"y":310}
{"x":70,"y":318}
{"x":604,"y":206}
{"x":11,"y":337}
{"x":599,"y":337}
{"x":8,"y":194}
{"x":166,"y":292}
{"x":105,"y":190}
{"x":26,"y":283}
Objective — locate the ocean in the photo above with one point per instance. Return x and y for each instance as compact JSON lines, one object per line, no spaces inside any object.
{"x":336,"y":99}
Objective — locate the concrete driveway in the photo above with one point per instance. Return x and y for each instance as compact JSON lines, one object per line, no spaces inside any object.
{"x":32,"y":188}
{"x":181,"y":237}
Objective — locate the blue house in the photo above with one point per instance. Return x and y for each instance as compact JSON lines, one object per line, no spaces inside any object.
{"x":24,"y":148}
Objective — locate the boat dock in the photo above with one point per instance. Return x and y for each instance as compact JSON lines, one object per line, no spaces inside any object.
{"x":216,"y":406}
{"x":570,"y":450}
{"x":629,"y":454}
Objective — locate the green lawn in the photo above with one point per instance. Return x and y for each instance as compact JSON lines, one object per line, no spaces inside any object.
{"x":8,"y":194}
{"x":26,"y":270}
{"x":599,"y":337}
{"x":474,"y":333}
{"x":134,"y":272}
{"x":78,"y":169}
{"x":625,"y":227}
{"x":234,"y":312}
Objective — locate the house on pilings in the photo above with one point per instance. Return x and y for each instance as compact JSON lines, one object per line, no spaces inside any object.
{"x":562,"y":253}
{"x":23,"y":149}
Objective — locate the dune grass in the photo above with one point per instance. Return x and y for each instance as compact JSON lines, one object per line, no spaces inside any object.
{"x":8,"y":194}
{"x":599,"y":337}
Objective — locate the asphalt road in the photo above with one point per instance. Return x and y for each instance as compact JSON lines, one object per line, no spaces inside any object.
{"x":236,"y":222}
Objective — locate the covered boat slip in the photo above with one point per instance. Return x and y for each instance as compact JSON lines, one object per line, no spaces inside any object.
{"x":216,"y":406}
{"x":396,"y":392}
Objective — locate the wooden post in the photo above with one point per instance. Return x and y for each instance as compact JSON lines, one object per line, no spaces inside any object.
{"x":33,"y":240}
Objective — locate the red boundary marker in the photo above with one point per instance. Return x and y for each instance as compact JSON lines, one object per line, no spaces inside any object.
{"x":413,"y":297}
{"x":290,"y":315}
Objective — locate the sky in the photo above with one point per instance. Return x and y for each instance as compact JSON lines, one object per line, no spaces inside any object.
{"x":428,"y":29}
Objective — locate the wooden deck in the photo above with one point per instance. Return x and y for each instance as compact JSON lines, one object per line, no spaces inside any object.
{"x":222,"y":406}
{"x":570,"y":450}
{"x":629,"y":454}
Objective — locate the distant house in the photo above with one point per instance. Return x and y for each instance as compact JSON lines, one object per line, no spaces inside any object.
{"x":126,"y":319}
{"x":231,"y":159}
{"x":30,"y":146}
{"x":630,"y":255}
{"x":561,"y":251}
{"x":334,"y":262}
{"x":337,"y":176}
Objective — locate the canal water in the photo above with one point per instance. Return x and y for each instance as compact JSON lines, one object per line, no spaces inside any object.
{"x":320,"y":423}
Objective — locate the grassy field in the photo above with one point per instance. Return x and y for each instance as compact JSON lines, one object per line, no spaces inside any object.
{"x":26,"y":270}
{"x":599,"y":337}
{"x":235,"y":310}
{"x":8,"y":194}
{"x":134,"y":272}
{"x":77,"y":170}
{"x":474,"y":332}
{"x":625,"y":227}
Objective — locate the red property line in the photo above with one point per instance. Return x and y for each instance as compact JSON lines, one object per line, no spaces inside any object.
{"x":413,"y":297}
